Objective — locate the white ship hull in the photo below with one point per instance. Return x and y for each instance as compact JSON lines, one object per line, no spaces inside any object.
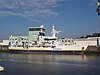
{"x":59,"y":49}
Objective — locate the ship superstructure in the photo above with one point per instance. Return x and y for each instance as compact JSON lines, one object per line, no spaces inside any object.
{"x":36,"y":39}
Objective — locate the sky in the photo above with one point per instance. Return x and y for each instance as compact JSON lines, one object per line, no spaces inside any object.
{"x":74,"y":18}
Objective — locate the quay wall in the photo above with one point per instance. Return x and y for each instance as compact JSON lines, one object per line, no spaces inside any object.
{"x":3,"y":48}
{"x":4,"y":45}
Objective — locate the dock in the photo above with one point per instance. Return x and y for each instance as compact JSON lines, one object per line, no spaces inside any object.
{"x":3,"y":48}
{"x":4,"y":45}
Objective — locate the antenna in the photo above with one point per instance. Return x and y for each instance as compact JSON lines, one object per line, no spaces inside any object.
{"x":41,"y":26}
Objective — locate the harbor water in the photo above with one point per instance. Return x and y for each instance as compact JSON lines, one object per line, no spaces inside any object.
{"x":39,"y":64}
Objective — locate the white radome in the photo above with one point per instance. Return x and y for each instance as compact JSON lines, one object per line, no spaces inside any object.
{"x":1,"y":68}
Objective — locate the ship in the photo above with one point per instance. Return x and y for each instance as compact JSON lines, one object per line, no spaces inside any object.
{"x":38,"y":42}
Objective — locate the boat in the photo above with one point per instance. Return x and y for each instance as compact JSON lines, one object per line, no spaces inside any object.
{"x":38,"y":42}
{"x":1,"y":68}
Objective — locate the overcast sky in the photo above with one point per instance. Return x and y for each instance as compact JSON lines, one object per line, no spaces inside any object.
{"x":74,"y":18}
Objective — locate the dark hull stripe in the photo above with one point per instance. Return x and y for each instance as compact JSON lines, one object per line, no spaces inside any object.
{"x":54,"y":52}
{"x":46,"y":52}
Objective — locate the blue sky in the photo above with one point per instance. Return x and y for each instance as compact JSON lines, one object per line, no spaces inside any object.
{"x":74,"y":18}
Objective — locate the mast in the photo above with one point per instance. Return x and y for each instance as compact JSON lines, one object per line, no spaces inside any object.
{"x":54,"y":31}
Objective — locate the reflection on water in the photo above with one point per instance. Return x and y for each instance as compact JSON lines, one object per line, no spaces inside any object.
{"x":33,"y":58}
{"x":32,"y":64}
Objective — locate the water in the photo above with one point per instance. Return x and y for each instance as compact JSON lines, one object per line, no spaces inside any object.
{"x":32,"y":64}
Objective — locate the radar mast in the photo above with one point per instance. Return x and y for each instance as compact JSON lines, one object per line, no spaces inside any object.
{"x":54,"y":31}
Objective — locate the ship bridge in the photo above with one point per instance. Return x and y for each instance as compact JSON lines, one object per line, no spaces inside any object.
{"x":35,"y":32}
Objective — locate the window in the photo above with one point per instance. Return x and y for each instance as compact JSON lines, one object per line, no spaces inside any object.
{"x":34,"y":29}
{"x":62,"y":40}
{"x":68,"y":40}
{"x":65,"y":40}
{"x":41,"y":34}
{"x":21,"y":38}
